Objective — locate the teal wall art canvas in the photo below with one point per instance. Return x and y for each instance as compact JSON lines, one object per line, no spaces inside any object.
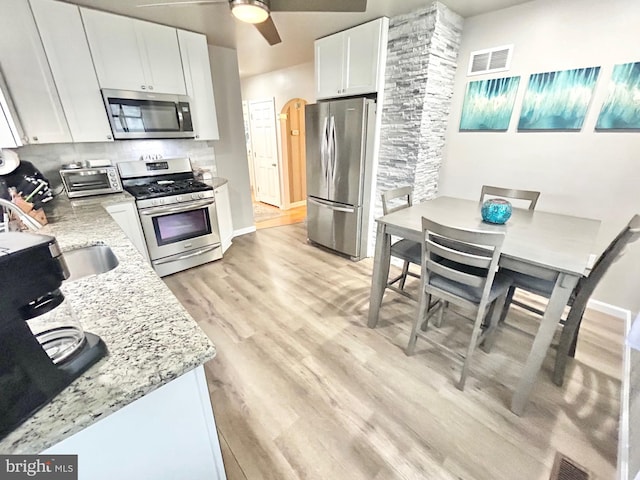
{"x":558,"y":100}
{"x":621,"y":109}
{"x":488,"y":104}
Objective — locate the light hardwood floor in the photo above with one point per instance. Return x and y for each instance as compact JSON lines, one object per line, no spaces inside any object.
{"x":302,"y":389}
{"x":284,"y":217}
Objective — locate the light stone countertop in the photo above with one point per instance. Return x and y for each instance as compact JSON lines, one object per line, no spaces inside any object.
{"x":150,"y":337}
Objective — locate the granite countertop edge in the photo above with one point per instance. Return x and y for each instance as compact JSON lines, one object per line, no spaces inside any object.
{"x":151,"y":338}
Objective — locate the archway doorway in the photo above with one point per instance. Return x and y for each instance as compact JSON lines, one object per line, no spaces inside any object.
{"x":292,"y":131}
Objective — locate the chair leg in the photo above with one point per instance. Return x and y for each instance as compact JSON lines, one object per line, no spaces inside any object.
{"x":507,"y":303}
{"x":567,"y":342}
{"x":494,"y":321}
{"x":423,"y":327}
{"x":405,"y":272}
{"x":420,"y":318}
{"x":472,"y":346}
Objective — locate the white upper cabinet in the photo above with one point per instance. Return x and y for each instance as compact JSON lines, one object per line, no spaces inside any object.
{"x":197,"y":75}
{"x":28,"y":77}
{"x":329,"y":65}
{"x":67,"y":50}
{"x":351,"y":62}
{"x":132,"y":54}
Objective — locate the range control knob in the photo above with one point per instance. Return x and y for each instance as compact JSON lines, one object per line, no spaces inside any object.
{"x":201,"y":195}
{"x":194,"y":196}
{"x":180,"y":198}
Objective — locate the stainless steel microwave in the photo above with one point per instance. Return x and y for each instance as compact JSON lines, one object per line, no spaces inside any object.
{"x":140,"y":115}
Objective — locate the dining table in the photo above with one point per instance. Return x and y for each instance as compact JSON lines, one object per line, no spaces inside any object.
{"x":546,"y":245}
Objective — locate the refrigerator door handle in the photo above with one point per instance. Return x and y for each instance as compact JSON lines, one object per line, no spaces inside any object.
{"x":334,"y":149}
{"x":331,"y":206}
{"x":324,"y":147}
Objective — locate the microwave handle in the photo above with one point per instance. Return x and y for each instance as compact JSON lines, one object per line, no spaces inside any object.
{"x":121,"y":118}
{"x":180,"y":118}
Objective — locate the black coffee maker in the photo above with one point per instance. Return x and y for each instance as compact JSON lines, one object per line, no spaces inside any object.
{"x":38,"y":357}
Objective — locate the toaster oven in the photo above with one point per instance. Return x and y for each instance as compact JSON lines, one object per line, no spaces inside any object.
{"x":83,"y":182}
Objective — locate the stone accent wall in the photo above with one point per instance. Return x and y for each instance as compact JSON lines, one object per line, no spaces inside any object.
{"x":419,"y":80}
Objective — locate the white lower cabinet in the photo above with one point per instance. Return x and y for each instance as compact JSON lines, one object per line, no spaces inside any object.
{"x":30,"y":84}
{"x":223,"y":210}
{"x":125,"y":215}
{"x":168,"y":434}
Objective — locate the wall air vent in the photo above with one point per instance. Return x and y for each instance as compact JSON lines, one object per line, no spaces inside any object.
{"x":490,"y":60}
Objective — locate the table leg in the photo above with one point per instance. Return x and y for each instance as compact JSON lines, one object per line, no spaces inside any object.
{"x":380,"y":273}
{"x":559,"y":297}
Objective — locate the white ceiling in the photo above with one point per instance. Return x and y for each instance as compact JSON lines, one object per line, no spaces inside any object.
{"x":297,"y":30}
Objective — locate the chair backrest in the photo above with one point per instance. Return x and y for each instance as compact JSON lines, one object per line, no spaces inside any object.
{"x":528,"y":195}
{"x":629,"y":234}
{"x":467,"y":257}
{"x":404,"y":195}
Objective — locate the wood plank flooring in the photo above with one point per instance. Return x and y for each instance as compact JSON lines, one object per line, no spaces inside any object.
{"x":302,"y":389}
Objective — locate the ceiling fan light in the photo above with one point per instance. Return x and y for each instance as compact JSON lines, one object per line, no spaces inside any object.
{"x":250,"y":11}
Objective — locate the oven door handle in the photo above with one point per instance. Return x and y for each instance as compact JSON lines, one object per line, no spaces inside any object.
{"x":202,"y":251}
{"x":181,"y":208}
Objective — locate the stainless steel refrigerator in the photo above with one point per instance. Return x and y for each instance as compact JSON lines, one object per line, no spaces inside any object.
{"x":339,"y":150}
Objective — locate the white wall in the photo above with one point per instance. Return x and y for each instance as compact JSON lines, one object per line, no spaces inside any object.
{"x":588,"y":173}
{"x":231,"y":151}
{"x":282,"y":85}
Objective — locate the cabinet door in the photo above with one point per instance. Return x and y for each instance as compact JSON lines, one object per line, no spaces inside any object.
{"x":114,"y":47}
{"x":28,"y":77}
{"x":161,"y":58}
{"x":329,"y":65}
{"x":125,"y":215}
{"x":67,"y":50}
{"x":225,"y":221}
{"x":197,"y":75}
{"x":361,"y":58}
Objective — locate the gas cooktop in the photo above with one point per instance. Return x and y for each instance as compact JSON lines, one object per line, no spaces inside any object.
{"x":162,"y":188}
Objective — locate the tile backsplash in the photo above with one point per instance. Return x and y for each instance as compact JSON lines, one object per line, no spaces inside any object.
{"x":50,"y":158}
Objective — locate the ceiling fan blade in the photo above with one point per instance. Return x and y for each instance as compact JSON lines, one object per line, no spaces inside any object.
{"x":188,"y":2}
{"x":269,"y":31}
{"x":318,"y":5}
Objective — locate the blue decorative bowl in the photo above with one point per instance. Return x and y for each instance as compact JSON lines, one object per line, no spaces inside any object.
{"x":496,"y":210}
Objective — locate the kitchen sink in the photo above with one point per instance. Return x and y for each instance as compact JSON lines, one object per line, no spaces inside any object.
{"x":88,"y":261}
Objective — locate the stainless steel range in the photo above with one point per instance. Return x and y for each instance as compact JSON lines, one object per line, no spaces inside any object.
{"x":177,"y":213}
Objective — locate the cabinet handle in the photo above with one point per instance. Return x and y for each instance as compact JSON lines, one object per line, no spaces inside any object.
{"x":150,"y":87}
{"x":143,"y":87}
{"x":108,"y":137}
{"x":197,"y":136}
{"x":35,"y":139}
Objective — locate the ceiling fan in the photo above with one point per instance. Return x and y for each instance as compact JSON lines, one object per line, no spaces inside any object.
{"x":258,"y":12}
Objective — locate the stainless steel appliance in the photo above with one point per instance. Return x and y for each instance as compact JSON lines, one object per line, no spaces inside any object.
{"x":177,"y":213}
{"x":136,"y":115}
{"x":42,"y":345}
{"x":339,"y":150}
{"x":82,"y":180}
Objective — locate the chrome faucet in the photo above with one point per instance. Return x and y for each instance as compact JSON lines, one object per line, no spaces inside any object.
{"x":27,"y":219}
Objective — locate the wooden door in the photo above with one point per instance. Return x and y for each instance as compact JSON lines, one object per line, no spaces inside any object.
{"x":292,"y":129}
{"x":262,"y":122}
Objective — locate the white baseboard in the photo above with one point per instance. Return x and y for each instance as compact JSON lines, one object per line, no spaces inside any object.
{"x":612,"y":310}
{"x":244,"y":231}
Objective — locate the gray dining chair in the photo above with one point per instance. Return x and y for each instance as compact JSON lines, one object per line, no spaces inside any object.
{"x":527,"y":195}
{"x":460,"y":267}
{"x":406,"y":250}
{"x":580,"y":296}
